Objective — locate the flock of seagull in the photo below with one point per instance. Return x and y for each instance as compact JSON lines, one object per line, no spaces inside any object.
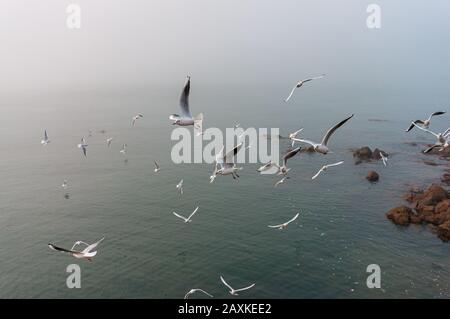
{"x":225,"y":165}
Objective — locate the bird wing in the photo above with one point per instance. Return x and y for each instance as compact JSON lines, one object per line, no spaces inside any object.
{"x":317,"y":174}
{"x":184,"y":100}
{"x":313,"y":78}
{"x":290,"y":95}
{"x":333,"y":129}
{"x":426,"y":130}
{"x":225,"y":283}
{"x":335,"y":164}
{"x":304,"y":141}
{"x":447,"y":132}
{"x":244,"y":288}
{"x":290,"y":154}
{"x":293,"y":218}
{"x":229,"y":157}
{"x":195,"y":210}
{"x":84,"y":150}
{"x":61,"y":249}
{"x":275,"y":226}
{"x":435,"y":113}
{"x":204,"y":292}
{"x":45,"y":135}
{"x":179,"y":216}
{"x":156,"y":164}
{"x":412,"y":125}
{"x":89,"y":248}
{"x":431,"y":148}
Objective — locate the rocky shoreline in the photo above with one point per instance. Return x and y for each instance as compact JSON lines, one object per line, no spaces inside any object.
{"x":428,"y":206}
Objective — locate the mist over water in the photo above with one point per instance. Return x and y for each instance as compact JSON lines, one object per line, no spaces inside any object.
{"x":244,"y":57}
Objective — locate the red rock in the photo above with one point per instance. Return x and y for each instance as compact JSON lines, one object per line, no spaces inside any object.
{"x":400,"y":215}
{"x":443,"y":231}
{"x":372,"y":176}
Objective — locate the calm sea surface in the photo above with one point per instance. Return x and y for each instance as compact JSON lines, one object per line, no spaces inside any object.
{"x":149,"y":253}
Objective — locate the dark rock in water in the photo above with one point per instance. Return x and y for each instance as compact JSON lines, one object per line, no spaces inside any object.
{"x":444,"y":154}
{"x":400,"y":215}
{"x":373,"y":176}
{"x":431,"y":163}
{"x":365,"y":154}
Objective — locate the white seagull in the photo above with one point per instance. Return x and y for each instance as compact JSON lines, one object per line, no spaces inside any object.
{"x":108,"y":141}
{"x":83,"y":145}
{"x":86,"y":253}
{"x":157,"y":169}
{"x":281,"y":181}
{"x":192,"y":291}
{"x":424,"y":123}
{"x":284,"y":225}
{"x":442,"y":138}
{"x":186,"y":220}
{"x":232,"y":290}
{"x":300,"y":84}
{"x":135,"y":118}
{"x":186,"y":118}
{"x":325,"y":167}
{"x":124,"y":149}
{"x":322,"y":146}
{"x":283,"y":170}
{"x":224,"y":165}
{"x":180,"y":187}
{"x":45,"y":141}
{"x":294,"y":135}
{"x":64,"y":184}
{"x":383,"y":158}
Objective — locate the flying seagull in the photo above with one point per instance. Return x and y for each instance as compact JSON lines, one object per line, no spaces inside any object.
{"x":124,"y":149}
{"x":281,"y":181}
{"x":300,"y":84}
{"x":45,"y":141}
{"x":284,"y":225}
{"x":86,"y":253}
{"x":156,"y":170}
{"x":180,"y":187}
{"x":193,"y":291}
{"x":325,"y":167}
{"x":294,"y":135}
{"x":186,"y":220}
{"x":383,"y":158}
{"x":424,"y":123}
{"x":442,"y":139}
{"x":322,"y":146}
{"x":224,"y":165}
{"x":232,"y":290}
{"x":83,"y":145}
{"x":186,"y":118}
{"x":283,"y":170}
{"x":108,"y":141}
{"x":135,"y":118}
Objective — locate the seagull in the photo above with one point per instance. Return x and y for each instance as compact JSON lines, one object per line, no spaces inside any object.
{"x":135,"y":118}
{"x":45,"y":141}
{"x":283,"y":226}
{"x":224,"y":165}
{"x":283,"y":170}
{"x":300,"y":84}
{"x":325,"y":167}
{"x":180,"y":187}
{"x":192,"y":291}
{"x":424,"y":123}
{"x":108,"y":141}
{"x":124,"y":149}
{"x":383,"y":158}
{"x":237,"y":125}
{"x":186,"y":220}
{"x":86,"y":253}
{"x":442,"y":139}
{"x":186,"y":118}
{"x":64,"y":184}
{"x":83,"y":146}
{"x":281,"y":181}
{"x":294,"y":135}
{"x":157,"y":169}
{"x":232,"y":290}
{"x":322,"y":146}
